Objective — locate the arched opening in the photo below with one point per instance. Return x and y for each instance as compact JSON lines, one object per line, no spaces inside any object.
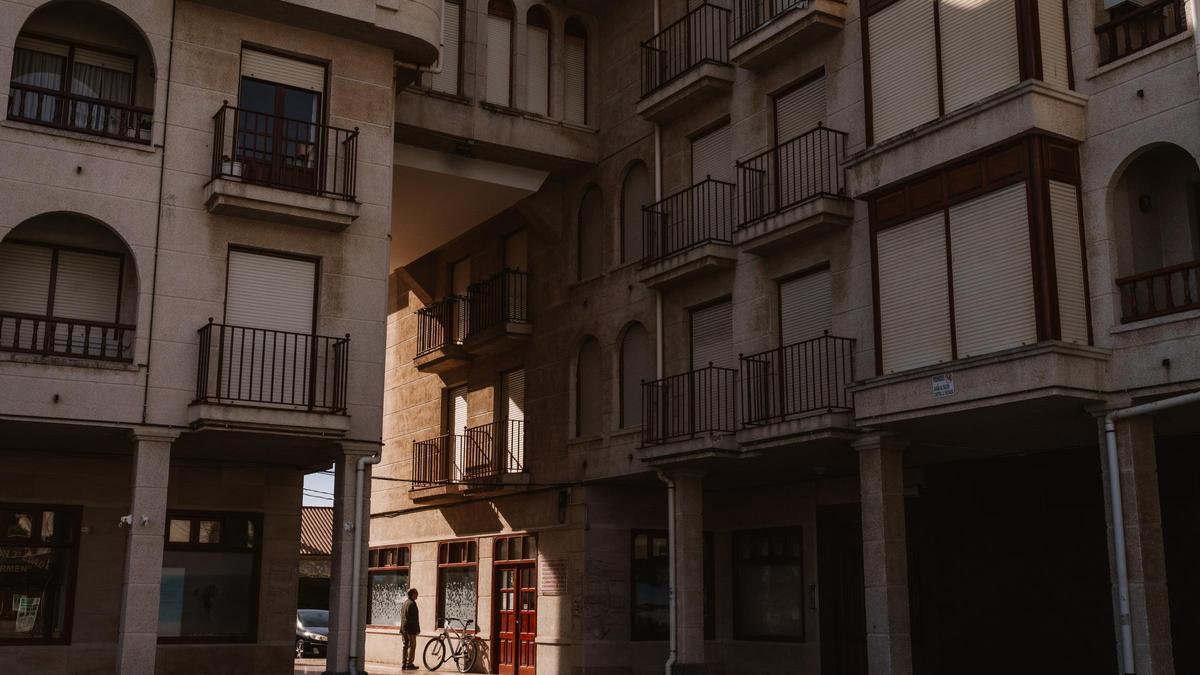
{"x":537,"y":30}
{"x":588,"y":392}
{"x":637,"y":366}
{"x":575,"y":60}
{"x":68,"y":287}
{"x":83,"y":67}
{"x":500,"y":17}
{"x":1157,"y":220}
{"x":636,"y":191}
{"x":591,"y":233}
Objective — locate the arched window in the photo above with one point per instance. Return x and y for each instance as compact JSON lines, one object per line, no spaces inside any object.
{"x":591,"y":234}
{"x":103,"y":86}
{"x":589,"y":372}
{"x":537,"y":32}
{"x":575,"y":62}
{"x":637,"y":366}
{"x":637,"y":191}
{"x":499,"y":52}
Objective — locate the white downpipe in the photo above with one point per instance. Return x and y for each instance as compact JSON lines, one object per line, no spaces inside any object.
{"x":355,"y":574}
{"x":658,"y":303}
{"x":432,"y":70}
{"x":673,"y":654}
{"x":673,"y":651}
{"x":1117,"y":511}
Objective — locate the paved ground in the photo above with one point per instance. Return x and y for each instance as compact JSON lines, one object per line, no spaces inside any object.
{"x":317,"y":666}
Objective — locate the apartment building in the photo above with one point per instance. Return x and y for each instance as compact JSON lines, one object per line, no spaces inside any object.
{"x":195,"y":202}
{"x":781,"y":336}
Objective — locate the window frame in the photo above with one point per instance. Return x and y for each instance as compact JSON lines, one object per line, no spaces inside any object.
{"x":69,"y":64}
{"x":535,"y":9}
{"x":420,"y":83}
{"x":709,"y":583}
{"x":195,"y":547}
{"x":72,"y":577}
{"x":735,"y":572}
{"x":581,"y":34}
{"x":472,"y":562}
{"x":54,"y":251}
{"x":401,"y":552}
{"x":509,"y":13}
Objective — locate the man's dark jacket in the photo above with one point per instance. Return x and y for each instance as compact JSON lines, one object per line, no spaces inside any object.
{"x":410,"y":620}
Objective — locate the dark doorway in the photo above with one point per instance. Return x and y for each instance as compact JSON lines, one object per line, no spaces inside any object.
{"x":840,"y":590}
{"x":1179,"y":495}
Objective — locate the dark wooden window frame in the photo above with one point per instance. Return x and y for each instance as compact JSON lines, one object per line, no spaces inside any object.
{"x":54,"y":251}
{"x":735,"y":569}
{"x":471,"y":560}
{"x":710,"y":587}
{"x":403,"y":562}
{"x":72,"y":575}
{"x":193,"y":545}
{"x":1034,"y":158}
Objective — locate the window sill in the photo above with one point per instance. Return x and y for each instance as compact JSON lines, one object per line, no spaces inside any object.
{"x":78,"y":136}
{"x":502,"y":109}
{"x":433,"y":93}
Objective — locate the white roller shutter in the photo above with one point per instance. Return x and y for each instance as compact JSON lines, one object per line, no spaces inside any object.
{"x":1068,"y":262}
{"x":447,"y":80}
{"x":104,"y":60}
{"x":43,"y":46}
{"x":282,"y":70}
{"x":538,"y":70}
{"x":24,"y":278}
{"x":993,"y":272}
{"x":712,"y":155}
{"x":799,"y":110}
{"x":914,"y":303}
{"x":980,"y":55}
{"x":270,"y":292}
{"x":1053,"y":27}
{"x":805,"y":307}
{"x":457,"y":421}
{"x":575,"y":67}
{"x":712,"y":336}
{"x":86,"y":286}
{"x":903,"y":51}
{"x":514,"y":416}
{"x":499,"y":60}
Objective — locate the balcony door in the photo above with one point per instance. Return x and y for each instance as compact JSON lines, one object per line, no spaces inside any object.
{"x":460,"y":283}
{"x":710,"y":213}
{"x":513,"y":421}
{"x":712,"y":388}
{"x":806,"y":366}
{"x":800,"y":155}
{"x":456,"y":425}
{"x":279,"y":112}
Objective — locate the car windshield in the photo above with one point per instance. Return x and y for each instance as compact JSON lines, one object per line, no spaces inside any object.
{"x":314,"y":618}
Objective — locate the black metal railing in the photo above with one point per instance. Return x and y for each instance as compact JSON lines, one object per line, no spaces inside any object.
{"x":441,"y":324}
{"x":800,"y":378}
{"x":432,"y":460}
{"x":1160,"y":292}
{"x":790,"y":173}
{"x":48,"y":336}
{"x":271,"y":367}
{"x":697,"y":215}
{"x":280,"y":152}
{"x":750,"y":15}
{"x":686,"y":405}
{"x":1137,"y":29}
{"x":494,"y":449}
{"x":83,"y":114}
{"x":702,"y":36}
{"x":502,"y":299}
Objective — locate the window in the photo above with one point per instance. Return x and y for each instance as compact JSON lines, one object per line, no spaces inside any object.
{"x":591,"y":234}
{"x":499,"y":53}
{"x":537,"y":32}
{"x":278,"y":121}
{"x":768,"y":584}
{"x":447,"y":80}
{"x":387,"y":582}
{"x":518,"y":548}
{"x":39,"y":550}
{"x":575,"y":46}
{"x":457,"y":573}
{"x":712,"y":335}
{"x":650,"y":609}
{"x":637,"y":191}
{"x":210,"y":577}
{"x":588,"y":393}
{"x":637,"y":366}
{"x":712,"y":155}
{"x":805,"y":307}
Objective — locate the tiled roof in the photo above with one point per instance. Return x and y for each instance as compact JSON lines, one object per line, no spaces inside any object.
{"x":316,"y":530}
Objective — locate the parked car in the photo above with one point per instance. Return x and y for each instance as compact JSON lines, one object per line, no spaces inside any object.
{"x":312,"y":632}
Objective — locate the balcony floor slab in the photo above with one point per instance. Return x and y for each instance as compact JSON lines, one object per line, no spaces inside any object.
{"x":702,"y":83}
{"x":269,"y":419}
{"x":783,"y":36}
{"x":442,"y":360}
{"x":700,"y":260}
{"x":811,"y":218}
{"x":246,"y":200}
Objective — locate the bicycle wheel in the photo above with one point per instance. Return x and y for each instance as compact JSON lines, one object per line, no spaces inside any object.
{"x":435,"y":653}
{"x":467,"y":655}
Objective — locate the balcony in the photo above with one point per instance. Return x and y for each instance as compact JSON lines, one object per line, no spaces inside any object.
{"x":484,"y":459}
{"x":1134,"y":29}
{"x":795,"y":189}
{"x":498,"y":313}
{"x":688,"y":234}
{"x":81,"y":114}
{"x":797,"y":394}
{"x":685,"y":64}
{"x":70,"y":338}
{"x":247,"y":377}
{"x":766,"y":32}
{"x":1160,"y":292}
{"x":441,"y":329}
{"x":284,"y":170}
{"x":691,"y":416}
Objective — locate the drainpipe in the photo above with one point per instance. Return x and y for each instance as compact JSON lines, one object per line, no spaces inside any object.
{"x":432,"y":70}
{"x":1118,"y":513}
{"x":673,"y":653}
{"x":658,"y":302}
{"x":356,"y":573}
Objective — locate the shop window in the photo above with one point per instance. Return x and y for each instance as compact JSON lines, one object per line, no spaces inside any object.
{"x":768,"y":584}
{"x":387,"y":579}
{"x":210,"y":578}
{"x":650,"y":608}
{"x":39,"y":548}
{"x":458,"y":592}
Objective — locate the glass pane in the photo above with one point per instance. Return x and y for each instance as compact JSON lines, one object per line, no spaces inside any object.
{"x":458,"y":593}
{"x":530,"y":547}
{"x":180,"y":531}
{"x":770,"y":600}
{"x":660,"y":547}
{"x":102,"y":83}
{"x":238,"y":533}
{"x":206,"y":594}
{"x":19,"y":525}
{"x":388,"y":590}
{"x":313,"y":618}
{"x":651,"y":611}
{"x":210,"y":532}
{"x":373,"y":558}
{"x":33,"y":589}
{"x":641,"y":547}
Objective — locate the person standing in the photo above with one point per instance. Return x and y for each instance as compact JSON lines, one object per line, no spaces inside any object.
{"x":410,"y":627}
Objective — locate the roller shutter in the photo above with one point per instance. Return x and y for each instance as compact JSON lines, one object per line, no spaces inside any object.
{"x":86,"y":286}
{"x":805,"y":307}
{"x":104,"y":60}
{"x":456,"y":420}
{"x":914,"y":304}
{"x":799,"y":110}
{"x":712,"y":336}
{"x":499,"y":59}
{"x":903,"y":51}
{"x":980,"y":55}
{"x":637,"y":192}
{"x":1068,"y":262}
{"x":538,"y":70}
{"x":637,"y":366}
{"x":575,"y":66}
{"x":283,"y":70}
{"x":1053,"y":27}
{"x":447,"y":80}
{"x":712,"y":155}
{"x":24,"y":278}
{"x":993,"y":272}
{"x":514,"y":418}
{"x":271,"y":292}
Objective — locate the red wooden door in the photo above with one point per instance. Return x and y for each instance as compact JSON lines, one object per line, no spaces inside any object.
{"x":516,"y":619}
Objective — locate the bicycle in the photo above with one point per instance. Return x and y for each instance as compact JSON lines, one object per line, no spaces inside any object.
{"x":462,"y":649}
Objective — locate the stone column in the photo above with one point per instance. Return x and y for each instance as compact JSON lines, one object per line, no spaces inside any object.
{"x":341,"y":567}
{"x":885,"y":554}
{"x":137,"y":637}
{"x":688,"y":539}
{"x":1145,"y":557}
